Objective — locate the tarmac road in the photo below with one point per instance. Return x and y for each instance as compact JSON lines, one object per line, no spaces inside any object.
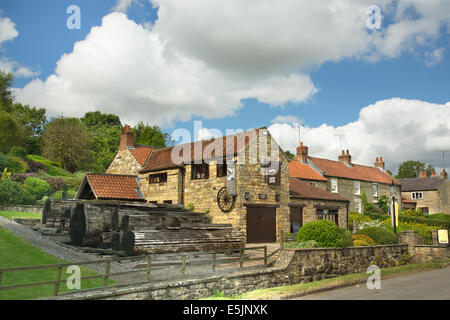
{"x":434,"y":285}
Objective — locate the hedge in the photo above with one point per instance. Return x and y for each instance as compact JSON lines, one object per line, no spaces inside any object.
{"x":37,"y":187}
{"x":430,"y":222}
{"x":380,"y":235}
{"x":12,"y":193}
{"x":324,"y":232}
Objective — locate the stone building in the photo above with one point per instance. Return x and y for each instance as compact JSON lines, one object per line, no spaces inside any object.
{"x":429,"y":194}
{"x":241,"y":179}
{"x":344,"y":178}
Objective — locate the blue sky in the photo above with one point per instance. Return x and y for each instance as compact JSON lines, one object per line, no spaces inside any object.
{"x":328,"y":91}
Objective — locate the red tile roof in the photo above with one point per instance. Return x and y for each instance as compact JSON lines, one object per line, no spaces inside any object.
{"x":304,"y":190}
{"x":302,"y":170}
{"x":231,"y":145}
{"x":141,"y":153}
{"x":339,"y":169}
{"x":114,"y":186}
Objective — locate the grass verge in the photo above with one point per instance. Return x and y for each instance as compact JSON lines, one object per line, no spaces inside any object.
{"x":286,"y":292}
{"x":17,"y":252}
{"x":23,"y":215}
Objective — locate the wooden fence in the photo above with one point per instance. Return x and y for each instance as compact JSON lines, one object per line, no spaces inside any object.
{"x":150,"y":265}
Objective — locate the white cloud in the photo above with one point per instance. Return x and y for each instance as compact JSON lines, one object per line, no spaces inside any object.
{"x":287,"y":119}
{"x":19,"y":71}
{"x":124,"y":5}
{"x":435,"y":57}
{"x":122,"y":67}
{"x":396,"y":129}
{"x":203,"y":57}
{"x":7,"y":30}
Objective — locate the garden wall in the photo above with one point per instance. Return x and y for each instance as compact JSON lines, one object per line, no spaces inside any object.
{"x":23,"y":208}
{"x":293,"y":266}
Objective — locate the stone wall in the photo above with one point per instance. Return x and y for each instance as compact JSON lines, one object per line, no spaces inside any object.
{"x":124,"y":163}
{"x":24,"y":208}
{"x":165,"y":191}
{"x":294,"y":266}
{"x":310,"y":211}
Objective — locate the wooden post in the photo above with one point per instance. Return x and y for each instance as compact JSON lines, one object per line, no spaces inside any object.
{"x":58,"y":279}
{"x":105,"y":279}
{"x":265,"y":256}
{"x":241,"y":257}
{"x":149,"y":262}
{"x":183,"y":264}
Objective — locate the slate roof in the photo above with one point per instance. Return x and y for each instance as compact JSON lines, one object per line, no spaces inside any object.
{"x":302,"y":170}
{"x":421,"y":184}
{"x":304,"y":190}
{"x":339,"y":169}
{"x":114,"y":186}
{"x":231,"y":145}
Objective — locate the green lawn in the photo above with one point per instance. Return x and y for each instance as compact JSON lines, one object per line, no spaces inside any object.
{"x":23,"y":215}
{"x":17,"y":252}
{"x":286,"y":291}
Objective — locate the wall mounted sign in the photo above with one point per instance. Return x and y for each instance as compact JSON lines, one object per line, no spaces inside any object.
{"x":443,"y":236}
{"x":262,"y":196}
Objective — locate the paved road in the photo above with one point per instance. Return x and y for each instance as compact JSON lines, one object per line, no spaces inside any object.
{"x":419,"y":286}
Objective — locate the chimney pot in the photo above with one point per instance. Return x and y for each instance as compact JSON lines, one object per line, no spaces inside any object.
{"x":126,"y":138}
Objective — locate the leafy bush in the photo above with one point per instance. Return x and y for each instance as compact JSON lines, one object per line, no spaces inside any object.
{"x":304,"y":244}
{"x":70,"y":194}
{"x":17,"y":151}
{"x":53,"y":168}
{"x":345,"y":239}
{"x":56,"y":184}
{"x":379,"y":235}
{"x":21,"y":177}
{"x":324,"y":232}
{"x":75,"y":181}
{"x":423,"y":229}
{"x":413,"y":213}
{"x":437,"y":223}
{"x":440,"y":216}
{"x":362,"y":240}
{"x":12,"y":193}
{"x":37,"y":187}
{"x":35,"y":167}
{"x":190,"y":207}
{"x":14,"y":164}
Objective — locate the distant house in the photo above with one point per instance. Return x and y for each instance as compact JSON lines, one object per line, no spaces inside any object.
{"x":343,"y":177}
{"x":429,"y":194}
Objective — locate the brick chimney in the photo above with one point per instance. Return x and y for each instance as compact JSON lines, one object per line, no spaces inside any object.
{"x":345,"y":157}
{"x":379,"y":163}
{"x":126,"y":138}
{"x":302,"y":153}
{"x":422,"y":174}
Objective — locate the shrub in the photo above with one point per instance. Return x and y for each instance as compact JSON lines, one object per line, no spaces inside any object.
{"x":56,"y":184}
{"x":75,"y":181}
{"x":17,"y":151}
{"x":190,"y":207}
{"x":440,"y":216}
{"x":52,"y":167}
{"x":21,"y":177}
{"x":70,"y":194}
{"x":37,"y":187}
{"x":303,"y":244}
{"x":12,"y":193}
{"x":345,"y":239}
{"x":379,"y":235}
{"x":413,"y":213}
{"x":35,"y":167}
{"x":362,"y":240}
{"x":438,"y":223}
{"x":324,"y":232}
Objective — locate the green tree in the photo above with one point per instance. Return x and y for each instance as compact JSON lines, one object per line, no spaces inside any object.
{"x":105,"y":141}
{"x":412,"y":169}
{"x":150,"y":135}
{"x":98,"y":119}
{"x":289,"y":155}
{"x":68,"y":141}
{"x":6,"y":93}
{"x":11,"y":133}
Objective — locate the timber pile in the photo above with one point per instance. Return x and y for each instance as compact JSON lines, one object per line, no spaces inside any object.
{"x":151,"y":229}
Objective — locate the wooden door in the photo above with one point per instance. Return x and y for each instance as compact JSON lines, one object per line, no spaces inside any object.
{"x":296,"y":218}
{"x":261,"y":225}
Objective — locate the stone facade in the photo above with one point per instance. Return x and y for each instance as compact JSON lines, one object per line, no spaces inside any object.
{"x":310,"y":210}
{"x":164,"y":191}
{"x":124,"y":163}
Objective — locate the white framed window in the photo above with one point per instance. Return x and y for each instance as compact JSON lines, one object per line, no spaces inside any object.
{"x":357,"y":187}
{"x":417,"y":195}
{"x":375,"y":189}
{"x":334,"y":185}
{"x":358,"y":205}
